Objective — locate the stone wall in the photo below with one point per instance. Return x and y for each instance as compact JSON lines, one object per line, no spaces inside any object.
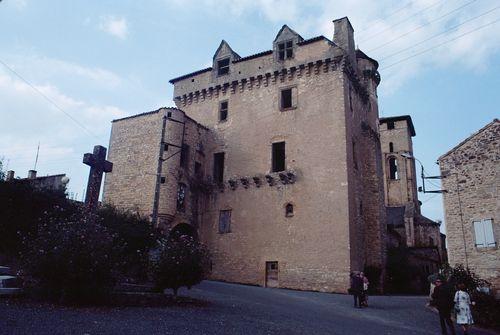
{"x":471,"y":177}
{"x":134,"y":149}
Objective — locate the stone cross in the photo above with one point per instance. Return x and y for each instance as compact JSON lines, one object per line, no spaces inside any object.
{"x":98,"y":164}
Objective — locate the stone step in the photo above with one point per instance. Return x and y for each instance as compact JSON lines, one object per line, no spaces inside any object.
{"x":10,"y":281}
{"x":5,"y":270}
{"x":10,"y":291}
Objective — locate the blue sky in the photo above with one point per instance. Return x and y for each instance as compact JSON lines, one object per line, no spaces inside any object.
{"x":101,"y":60}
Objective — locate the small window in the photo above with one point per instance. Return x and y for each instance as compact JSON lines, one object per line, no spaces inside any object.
{"x":289,"y":210}
{"x":393,"y":168}
{"x":350,"y":100}
{"x":223,"y":66}
{"x":169,"y":114}
{"x":391,"y":147}
{"x":286,"y":98}
{"x":285,"y":50}
{"x":185,"y":156}
{"x":278,"y":157}
{"x":165,"y":147}
{"x":163,"y":180}
{"x":223,"y":109}
{"x":197,"y":169}
{"x":219,"y":167}
{"x":354,"y":156}
{"x":181,"y":197}
{"x":483,"y":231}
{"x":431,"y":241}
{"x":225,"y":221}
{"x":390,"y":124}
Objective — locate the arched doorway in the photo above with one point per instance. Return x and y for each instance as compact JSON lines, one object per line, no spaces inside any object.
{"x":183,"y":229}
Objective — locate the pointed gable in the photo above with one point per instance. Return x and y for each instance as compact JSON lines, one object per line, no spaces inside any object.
{"x":223,"y":58}
{"x":285,"y":43}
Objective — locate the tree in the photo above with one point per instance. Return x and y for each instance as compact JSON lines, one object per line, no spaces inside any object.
{"x":181,"y":261}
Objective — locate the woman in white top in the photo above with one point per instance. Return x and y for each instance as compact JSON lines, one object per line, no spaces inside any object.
{"x":462,"y":308}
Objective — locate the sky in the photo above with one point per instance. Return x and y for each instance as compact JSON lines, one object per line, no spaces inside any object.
{"x":67,"y":68}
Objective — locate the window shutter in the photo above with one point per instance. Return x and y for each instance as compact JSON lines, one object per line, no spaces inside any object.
{"x":488,"y":233}
{"x":479,"y":232}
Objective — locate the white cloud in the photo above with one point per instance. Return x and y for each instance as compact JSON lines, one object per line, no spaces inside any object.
{"x":386,"y":27}
{"x":116,"y":26}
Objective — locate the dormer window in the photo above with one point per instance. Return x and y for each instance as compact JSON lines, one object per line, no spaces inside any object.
{"x":285,"y":50}
{"x":223,"y":66}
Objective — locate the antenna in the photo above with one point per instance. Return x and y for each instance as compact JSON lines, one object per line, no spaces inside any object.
{"x":37,"y":151}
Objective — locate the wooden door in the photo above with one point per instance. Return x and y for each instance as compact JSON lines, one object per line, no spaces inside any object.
{"x":272,"y":274}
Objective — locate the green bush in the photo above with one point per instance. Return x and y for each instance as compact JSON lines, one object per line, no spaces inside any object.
{"x":135,"y":235}
{"x":487,"y":308}
{"x":21,"y":209}
{"x":71,"y":260}
{"x":180,"y":262}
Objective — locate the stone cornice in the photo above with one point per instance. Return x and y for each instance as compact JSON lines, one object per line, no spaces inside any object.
{"x":264,"y":79}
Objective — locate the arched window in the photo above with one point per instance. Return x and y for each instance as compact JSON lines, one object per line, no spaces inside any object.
{"x":393,"y":168}
{"x":391,"y":147}
{"x":289,"y":210}
{"x":181,"y":197}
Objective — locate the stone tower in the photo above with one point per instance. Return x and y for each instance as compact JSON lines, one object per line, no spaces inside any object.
{"x":281,"y":174}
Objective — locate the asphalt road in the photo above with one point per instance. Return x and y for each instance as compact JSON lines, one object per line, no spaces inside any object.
{"x":232,"y":309}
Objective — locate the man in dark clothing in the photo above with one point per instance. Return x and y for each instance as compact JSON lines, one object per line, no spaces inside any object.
{"x":356,"y":289}
{"x":442,"y":298}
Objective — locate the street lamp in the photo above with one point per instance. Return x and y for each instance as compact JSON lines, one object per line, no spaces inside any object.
{"x":422,"y":175}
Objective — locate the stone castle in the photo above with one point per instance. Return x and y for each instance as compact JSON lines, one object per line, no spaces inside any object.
{"x":272,"y":160}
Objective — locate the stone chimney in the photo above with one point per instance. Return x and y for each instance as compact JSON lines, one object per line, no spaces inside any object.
{"x":10,"y":175}
{"x":31,"y":174}
{"x":343,"y":36}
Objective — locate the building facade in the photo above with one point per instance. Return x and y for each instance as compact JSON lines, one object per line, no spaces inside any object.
{"x":471,"y":176}
{"x":273,"y":160}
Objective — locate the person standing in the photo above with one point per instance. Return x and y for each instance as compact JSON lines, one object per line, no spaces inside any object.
{"x":462,"y":307}
{"x":364,"y":295}
{"x":443,"y":300}
{"x":356,"y":289}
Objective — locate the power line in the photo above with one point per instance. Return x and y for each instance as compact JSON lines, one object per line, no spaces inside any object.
{"x":441,"y":33}
{"x":422,"y":26}
{"x":398,"y":23}
{"x":48,"y":99}
{"x":388,"y":16}
{"x":440,"y":44}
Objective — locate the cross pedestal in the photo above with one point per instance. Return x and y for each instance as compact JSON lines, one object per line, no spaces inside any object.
{"x":98,"y":164}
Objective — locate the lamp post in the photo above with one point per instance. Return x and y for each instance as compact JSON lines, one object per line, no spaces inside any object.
{"x":422,"y":175}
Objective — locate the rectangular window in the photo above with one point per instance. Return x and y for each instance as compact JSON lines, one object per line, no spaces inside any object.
{"x":288,"y":98}
{"x":163,"y":180}
{"x":225,"y":221}
{"x":483,"y":231}
{"x":197,"y":169}
{"x":390,"y":124}
{"x":185,"y":156}
{"x":223,"y":66}
{"x":278,"y":157}
{"x":354,"y":155}
{"x":223,"y":109}
{"x":285,"y":50}
{"x":219,"y":167}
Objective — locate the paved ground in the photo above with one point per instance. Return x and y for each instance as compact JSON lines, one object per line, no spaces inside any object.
{"x":232,"y":309}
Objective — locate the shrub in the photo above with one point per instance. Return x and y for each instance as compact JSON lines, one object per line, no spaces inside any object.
{"x":21,"y":209}
{"x":180,"y":262}
{"x":135,"y":235}
{"x":72,"y":259}
{"x":487,"y":308}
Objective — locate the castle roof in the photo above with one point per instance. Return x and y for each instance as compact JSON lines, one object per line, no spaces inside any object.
{"x":406,"y":118}
{"x":257,"y":55}
{"x":495,"y":121}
